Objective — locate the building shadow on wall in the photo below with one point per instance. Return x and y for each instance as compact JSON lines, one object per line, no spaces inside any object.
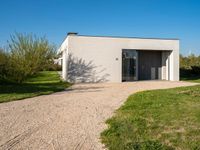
{"x":81,"y":71}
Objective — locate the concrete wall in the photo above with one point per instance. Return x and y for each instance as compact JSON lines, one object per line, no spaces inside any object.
{"x":64,"y":51}
{"x":104,"y":56}
{"x":165,"y":66}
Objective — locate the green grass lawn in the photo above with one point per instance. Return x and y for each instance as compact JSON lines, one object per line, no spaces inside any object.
{"x":156,"y":120}
{"x":45,"y":82}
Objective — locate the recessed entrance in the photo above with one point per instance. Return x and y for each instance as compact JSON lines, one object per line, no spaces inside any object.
{"x":149,"y":65}
{"x":141,"y":65}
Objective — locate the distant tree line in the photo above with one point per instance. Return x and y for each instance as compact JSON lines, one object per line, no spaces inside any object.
{"x":25,"y":55}
{"x":190,"y":65}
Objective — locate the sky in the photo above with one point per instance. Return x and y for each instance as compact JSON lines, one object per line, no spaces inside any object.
{"x":133,"y":18}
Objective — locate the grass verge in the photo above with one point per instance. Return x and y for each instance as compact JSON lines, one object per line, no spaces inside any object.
{"x":156,"y":120}
{"x":45,"y":82}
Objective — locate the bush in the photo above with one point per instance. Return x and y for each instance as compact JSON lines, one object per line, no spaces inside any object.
{"x":187,"y":61}
{"x":185,"y":72}
{"x":195,"y":70}
{"x":27,"y":55}
{"x":189,"y":65}
{"x":4,"y":65}
{"x":54,"y":67}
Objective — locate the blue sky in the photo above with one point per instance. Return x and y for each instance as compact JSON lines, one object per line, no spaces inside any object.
{"x":137,"y":18}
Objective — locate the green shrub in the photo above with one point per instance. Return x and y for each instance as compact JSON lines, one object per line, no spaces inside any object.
{"x":54,"y":67}
{"x":187,"y":61}
{"x":29,"y":55}
{"x":4,"y":65}
{"x":189,"y":65}
{"x":195,"y":70}
{"x":185,"y":72}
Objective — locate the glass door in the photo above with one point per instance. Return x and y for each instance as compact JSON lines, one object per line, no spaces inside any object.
{"x":129,"y":63}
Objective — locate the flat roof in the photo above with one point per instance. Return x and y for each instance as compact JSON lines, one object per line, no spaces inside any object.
{"x":127,"y":37}
{"x":123,"y":37}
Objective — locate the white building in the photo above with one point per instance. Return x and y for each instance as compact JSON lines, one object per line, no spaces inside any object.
{"x":119,"y":59}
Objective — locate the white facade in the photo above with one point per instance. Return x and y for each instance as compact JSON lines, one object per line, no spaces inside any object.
{"x":96,"y":59}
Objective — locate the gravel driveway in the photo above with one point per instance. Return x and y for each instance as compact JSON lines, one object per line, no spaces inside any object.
{"x":72,"y":119}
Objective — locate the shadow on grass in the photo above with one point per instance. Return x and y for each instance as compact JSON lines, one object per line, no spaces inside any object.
{"x":32,"y":88}
{"x":45,"y":82}
{"x":12,"y":92}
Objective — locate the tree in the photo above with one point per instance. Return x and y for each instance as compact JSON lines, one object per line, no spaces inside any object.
{"x":28,"y":55}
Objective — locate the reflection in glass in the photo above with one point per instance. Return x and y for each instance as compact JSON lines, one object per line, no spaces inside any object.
{"x":129,"y":65}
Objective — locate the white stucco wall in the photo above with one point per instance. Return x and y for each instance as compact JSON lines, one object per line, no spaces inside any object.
{"x":106,"y":54}
{"x":64,"y":52}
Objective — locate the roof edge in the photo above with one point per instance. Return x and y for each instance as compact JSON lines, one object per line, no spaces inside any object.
{"x":129,"y":37}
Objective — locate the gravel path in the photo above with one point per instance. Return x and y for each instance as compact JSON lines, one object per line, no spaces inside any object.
{"x":72,"y":119}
